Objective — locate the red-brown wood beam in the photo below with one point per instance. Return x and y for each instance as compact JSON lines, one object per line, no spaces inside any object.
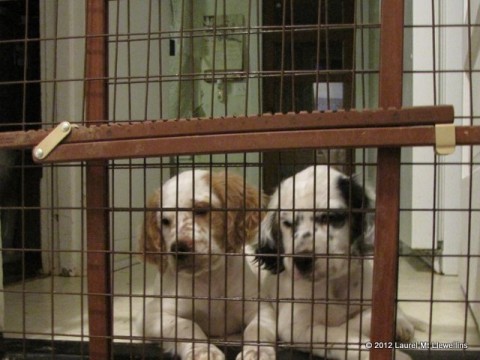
{"x":263,"y":141}
{"x":388,"y":184}
{"x":97,"y":201}
{"x":415,"y":116}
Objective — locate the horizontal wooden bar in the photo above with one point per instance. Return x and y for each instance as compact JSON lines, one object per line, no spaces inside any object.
{"x":263,"y":141}
{"x":422,"y":115}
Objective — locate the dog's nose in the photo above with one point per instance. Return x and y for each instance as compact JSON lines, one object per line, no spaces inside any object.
{"x":303,"y":235}
{"x":303,"y":262}
{"x":181,"y":250}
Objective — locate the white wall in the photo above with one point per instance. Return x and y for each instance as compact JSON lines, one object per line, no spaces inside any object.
{"x":62,"y":61}
{"x":201,"y":98}
{"x":133,"y":59}
{"x":451,"y":85}
{"x":63,"y":186}
{"x":133,"y":56}
{"x":417,"y":184}
{"x":423,"y":189}
{"x":367,"y":58}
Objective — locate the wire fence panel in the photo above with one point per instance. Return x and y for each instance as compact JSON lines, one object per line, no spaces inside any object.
{"x":224,"y":179}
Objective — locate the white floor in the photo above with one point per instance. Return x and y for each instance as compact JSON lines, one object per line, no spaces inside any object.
{"x":447,"y":318}
{"x":63,"y":315}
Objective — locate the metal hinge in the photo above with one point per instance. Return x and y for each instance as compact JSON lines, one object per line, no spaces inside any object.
{"x":445,"y":140}
{"x":52,"y":140}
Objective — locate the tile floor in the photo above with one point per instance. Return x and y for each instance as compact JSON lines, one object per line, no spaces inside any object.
{"x":63,"y":316}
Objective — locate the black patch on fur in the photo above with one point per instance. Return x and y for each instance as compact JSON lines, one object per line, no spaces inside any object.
{"x":269,"y":253}
{"x":357,"y":203}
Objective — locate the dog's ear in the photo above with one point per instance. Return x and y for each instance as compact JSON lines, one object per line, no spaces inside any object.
{"x":270,"y":250}
{"x":242,"y":202}
{"x":359,"y":202}
{"x":150,"y":240}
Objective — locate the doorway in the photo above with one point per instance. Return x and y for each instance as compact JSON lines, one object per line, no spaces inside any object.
{"x":311,"y":68}
{"x":19,"y":177}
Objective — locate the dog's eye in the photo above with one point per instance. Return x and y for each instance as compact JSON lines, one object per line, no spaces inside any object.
{"x":166,"y":222}
{"x":200,"y":211}
{"x":335,"y":219}
{"x":321,"y":219}
{"x":287,"y":223}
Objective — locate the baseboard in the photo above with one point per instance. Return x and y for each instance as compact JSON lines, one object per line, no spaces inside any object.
{"x":429,"y":257}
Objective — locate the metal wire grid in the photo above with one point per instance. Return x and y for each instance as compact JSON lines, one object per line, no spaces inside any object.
{"x":189,"y":73}
{"x":441,"y":26}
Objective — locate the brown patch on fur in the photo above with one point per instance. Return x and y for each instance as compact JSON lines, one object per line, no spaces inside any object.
{"x":151,"y":243}
{"x":241,"y":215}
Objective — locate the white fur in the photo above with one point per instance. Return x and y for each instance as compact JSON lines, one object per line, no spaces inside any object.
{"x":325,"y":307}
{"x":196,"y":302}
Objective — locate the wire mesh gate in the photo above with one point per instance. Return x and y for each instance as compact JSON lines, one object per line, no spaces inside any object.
{"x":259,"y":133}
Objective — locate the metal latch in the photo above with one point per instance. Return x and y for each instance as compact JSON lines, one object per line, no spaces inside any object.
{"x":52,"y":140}
{"x":445,"y":140}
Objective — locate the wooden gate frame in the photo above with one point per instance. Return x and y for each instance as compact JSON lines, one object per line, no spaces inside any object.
{"x":387,"y":214}
{"x":388,"y":129}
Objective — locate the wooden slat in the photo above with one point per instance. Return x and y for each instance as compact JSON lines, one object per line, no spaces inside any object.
{"x":388,"y":185}
{"x":97,"y":201}
{"x":424,"y":115}
{"x":244,"y":142}
{"x":467,"y":135}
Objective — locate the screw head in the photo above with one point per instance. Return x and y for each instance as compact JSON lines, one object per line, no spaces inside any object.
{"x":66,"y":126}
{"x":39,"y":153}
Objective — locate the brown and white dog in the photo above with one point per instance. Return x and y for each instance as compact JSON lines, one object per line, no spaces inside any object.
{"x":314,"y":238}
{"x":195,"y":230}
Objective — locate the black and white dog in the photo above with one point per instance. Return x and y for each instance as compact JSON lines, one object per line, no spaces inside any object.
{"x":314,"y":237}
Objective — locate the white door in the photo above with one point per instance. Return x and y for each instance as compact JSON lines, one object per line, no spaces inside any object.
{"x":470,"y":265}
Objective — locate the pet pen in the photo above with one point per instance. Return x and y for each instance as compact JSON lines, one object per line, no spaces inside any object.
{"x":103,"y":101}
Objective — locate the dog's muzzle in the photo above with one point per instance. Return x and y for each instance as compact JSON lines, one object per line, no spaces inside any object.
{"x":304,"y":262}
{"x":182,"y":251}
{"x":184,"y":255}
{"x":191,"y":260}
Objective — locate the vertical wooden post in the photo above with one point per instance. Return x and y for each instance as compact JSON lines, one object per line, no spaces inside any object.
{"x":97,"y":201}
{"x":388,"y":184}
